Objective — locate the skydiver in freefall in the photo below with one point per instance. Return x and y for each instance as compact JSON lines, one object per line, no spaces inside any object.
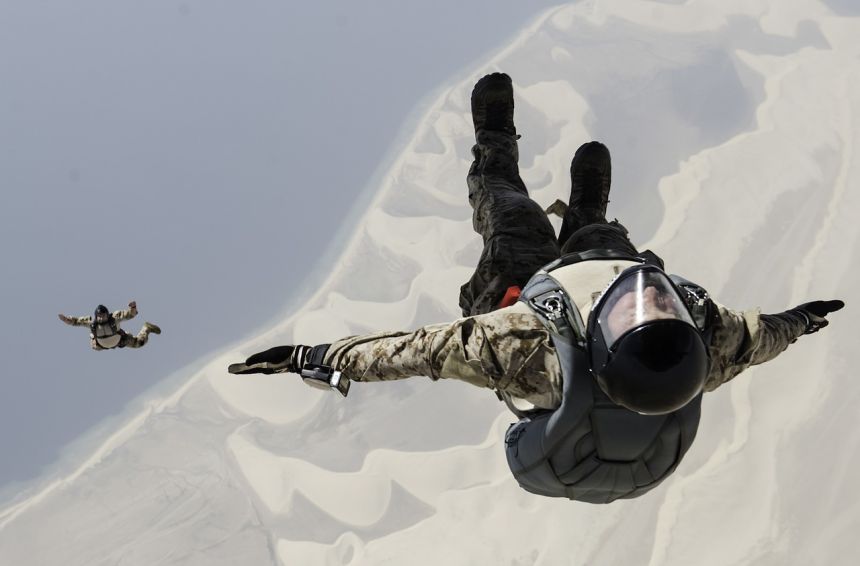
{"x":105,"y":331}
{"x":612,"y":353}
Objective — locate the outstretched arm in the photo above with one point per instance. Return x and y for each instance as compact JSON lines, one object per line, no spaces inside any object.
{"x":479,"y":349}
{"x":126,"y":314}
{"x":76,"y":320}
{"x":503,"y":349}
{"x":744,"y":339}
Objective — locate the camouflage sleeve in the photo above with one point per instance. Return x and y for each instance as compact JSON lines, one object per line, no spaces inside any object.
{"x":79,"y":320}
{"x":125,"y":314}
{"x":744,"y":339}
{"x":504,"y":349}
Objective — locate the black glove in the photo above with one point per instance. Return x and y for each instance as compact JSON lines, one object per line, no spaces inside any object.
{"x":279,"y":359}
{"x":815,"y":313}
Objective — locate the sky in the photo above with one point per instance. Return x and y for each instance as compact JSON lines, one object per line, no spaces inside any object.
{"x":204,"y":158}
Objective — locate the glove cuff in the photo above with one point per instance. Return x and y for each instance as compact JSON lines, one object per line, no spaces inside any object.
{"x":316,"y":355}
{"x":303,"y":355}
{"x":297,"y":358}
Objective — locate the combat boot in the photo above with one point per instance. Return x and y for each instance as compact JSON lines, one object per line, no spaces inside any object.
{"x":151,"y":328}
{"x":493,"y":104}
{"x":590,"y":178}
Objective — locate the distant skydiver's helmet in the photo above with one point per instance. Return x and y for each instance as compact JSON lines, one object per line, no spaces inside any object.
{"x":644,"y":348}
{"x":101,"y":315}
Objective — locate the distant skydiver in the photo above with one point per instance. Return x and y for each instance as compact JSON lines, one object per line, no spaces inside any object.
{"x":105,"y":333}
{"x":612,"y":353}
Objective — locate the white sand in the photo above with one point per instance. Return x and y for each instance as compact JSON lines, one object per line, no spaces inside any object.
{"x":760,"y":206}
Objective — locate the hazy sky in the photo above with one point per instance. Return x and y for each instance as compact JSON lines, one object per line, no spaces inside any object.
{"x":198,"y":157}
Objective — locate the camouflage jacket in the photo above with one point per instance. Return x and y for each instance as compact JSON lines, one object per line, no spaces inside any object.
{"x":124,"y":314}
{"x":510,"y":349}
{"x":119,"y":315}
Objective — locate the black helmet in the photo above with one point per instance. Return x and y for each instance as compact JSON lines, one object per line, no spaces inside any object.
{"x":101,"y":315}
{"x":644,"y":349}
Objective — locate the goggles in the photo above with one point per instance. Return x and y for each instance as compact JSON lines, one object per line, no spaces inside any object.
{"x":640,"y":294}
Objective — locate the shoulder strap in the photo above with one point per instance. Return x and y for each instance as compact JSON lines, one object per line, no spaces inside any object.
{"x":699,"y":303}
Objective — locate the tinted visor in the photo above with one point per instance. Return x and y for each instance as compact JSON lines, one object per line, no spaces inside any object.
{"x":637,"y":296}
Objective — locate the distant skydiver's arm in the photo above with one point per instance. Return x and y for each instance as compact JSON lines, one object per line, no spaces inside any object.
{"x":744,"y":339}
{"x":76,"y":320}
{"x":506,"y":350}
{"x":126,"y":314}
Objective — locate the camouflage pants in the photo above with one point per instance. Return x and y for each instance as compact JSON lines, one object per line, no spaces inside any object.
{"x":131,"y":341}
{"x":518,"y":237}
